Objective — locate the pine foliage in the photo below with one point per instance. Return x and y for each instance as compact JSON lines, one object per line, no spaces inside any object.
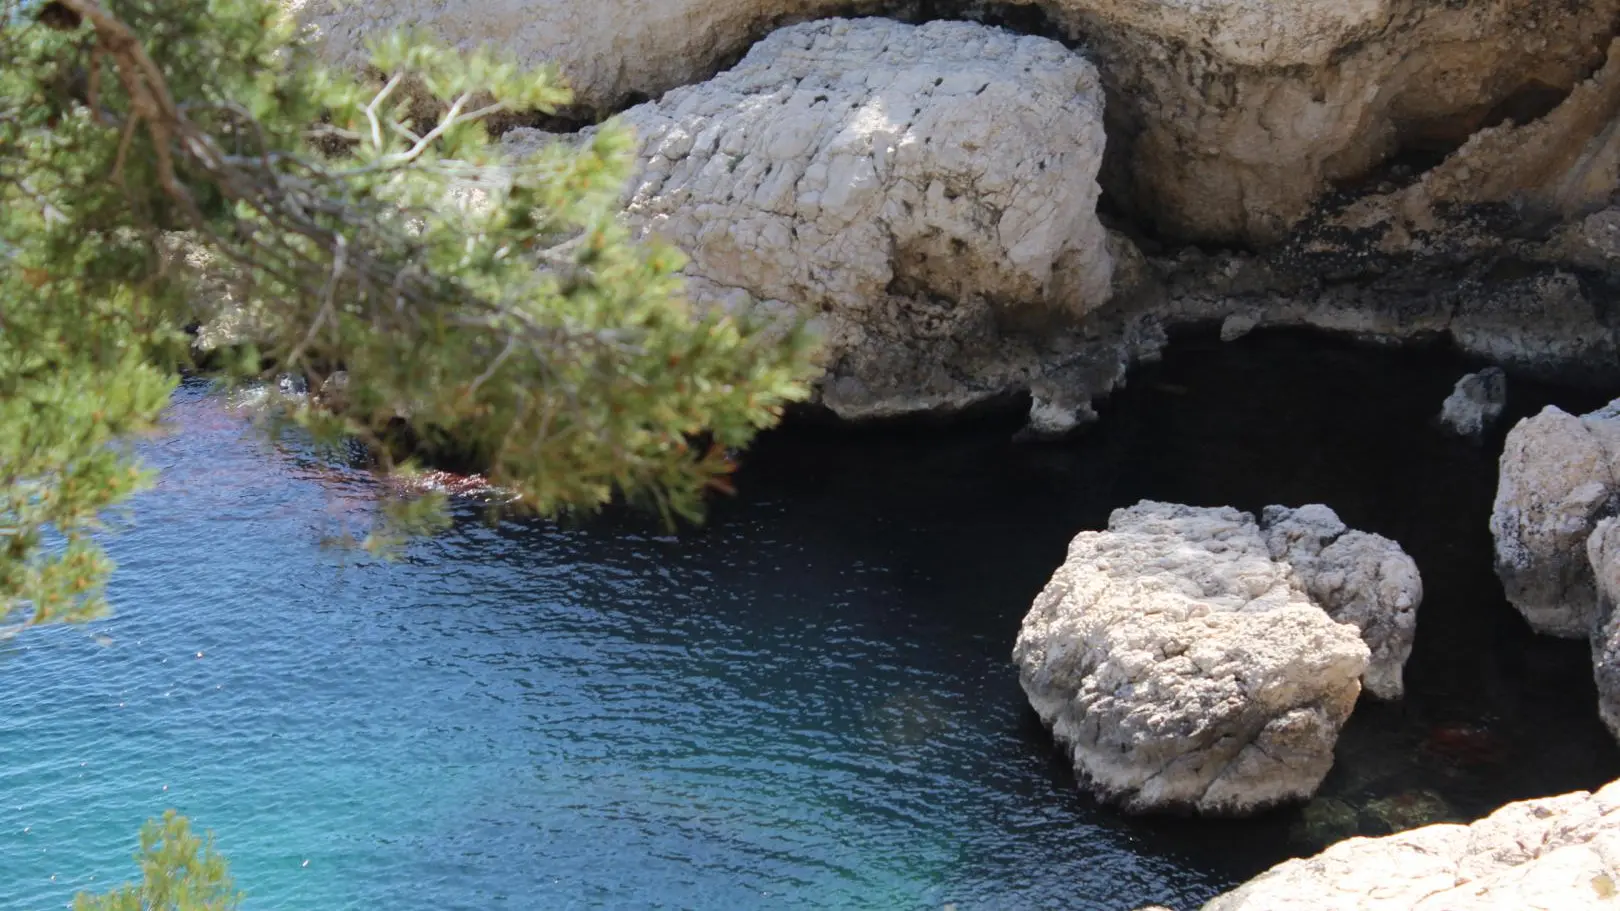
{"x":153,"y":152}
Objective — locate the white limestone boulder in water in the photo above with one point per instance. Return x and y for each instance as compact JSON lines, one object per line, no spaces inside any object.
{"x":1553,"y":854}
{"x":1357,"y":577}
{"x":1559,"y":475}
{"x":924,"y":191}
{"x":1186,"y":670}
{"x":1475,"y":403}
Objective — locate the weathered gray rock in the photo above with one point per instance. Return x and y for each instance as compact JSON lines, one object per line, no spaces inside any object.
{"x":1546,"y":325}
{"x":1603,"y":552}
{"x":926,"y":192}
{"x":1554,"y":854}
{"x":1184,"y":669}
{"x":1475,"y":403}
{"x":1559,"y":475}
{"x":1359,"y":578}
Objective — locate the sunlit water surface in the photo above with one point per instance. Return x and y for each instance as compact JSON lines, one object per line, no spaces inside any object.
{"x":807,"y":703}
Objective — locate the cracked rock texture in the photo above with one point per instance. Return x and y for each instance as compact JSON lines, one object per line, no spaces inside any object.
{"x":1227,"y":120}
{"x":1475,"y":403}
{"x":1234,"y":117}
{"x":1603,"y":550}
{"x":1359,"y":578}
{"x":1231,"y":117}
{"x":1552,"y":854}
{"x":1184,"y":669}
{"x":928,"y":193}
{"x":1559,"y":475}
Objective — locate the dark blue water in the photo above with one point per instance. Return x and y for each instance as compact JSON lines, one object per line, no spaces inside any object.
{"x":807,"y":703}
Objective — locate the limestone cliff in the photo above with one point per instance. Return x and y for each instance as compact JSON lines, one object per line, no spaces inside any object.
{"x":1390,"y":169}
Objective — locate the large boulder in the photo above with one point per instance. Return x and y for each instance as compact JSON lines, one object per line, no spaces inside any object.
{"x":927,"y":193}
{"x":1359,"y":578}
{"x":1554,"y":854}
{"x":1186,"y":670}
{"x":1559,"y":475}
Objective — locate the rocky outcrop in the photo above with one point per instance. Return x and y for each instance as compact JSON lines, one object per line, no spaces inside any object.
{"x":1231,"y":117}
{"x":927,"y":193}
{"x":1559,"y":475}
{"x":1475,"y":403}
{"x":1186,"y":669}
{"x":1552,"y":854}
{"x":1241,"y":114}
{"x":1562,"y":165}
{"x":1358,"y":578}
{"x":1228,"y":120}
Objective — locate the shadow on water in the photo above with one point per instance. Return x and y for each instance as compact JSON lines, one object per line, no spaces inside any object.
{"x":808,"y":702}
{"x":1492,"y":712}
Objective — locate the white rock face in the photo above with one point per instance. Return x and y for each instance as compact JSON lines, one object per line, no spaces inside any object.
{"x":927,"y":192}
{"x":1239,"y":113}
{"x":1359,"y":578}
{"x":613,"y":48}
{"x":1475,"y":403}
{"x":1559,"y":475}
{"x":1184,"y":669}
{"x":1554,"y":854}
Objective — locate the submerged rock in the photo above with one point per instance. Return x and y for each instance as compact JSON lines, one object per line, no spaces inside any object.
{"x":1324,"y":821}
{"x":1475,"y":403}
{"x":1555,"y":853}
{"x":1184,"y":669}
{"x":1359,"y":578}
{"x":1559,"y":475}
{"x":1407,"y":810}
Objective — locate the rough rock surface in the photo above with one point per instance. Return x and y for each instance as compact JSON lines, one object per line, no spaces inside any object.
{"x":1239,"y":114}
{"x":1475,"y":403}
{"x":1559,"y":475}
{"x":1553,"y":854}
{"x":1359,"y":578}
{"x":1603,"y":551}
{"x":1565,"y":164}
{"x":927,"y":192}
{"x":1184,"y":669}
{"x":1231,"y":116}
{"x":1227,"y":120}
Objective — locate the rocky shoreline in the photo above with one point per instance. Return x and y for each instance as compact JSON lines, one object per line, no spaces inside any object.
{"x":977,"y":201}
{"x":930,"y":192}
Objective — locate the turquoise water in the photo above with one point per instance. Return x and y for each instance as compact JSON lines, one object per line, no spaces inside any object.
{"x":807,"y":703}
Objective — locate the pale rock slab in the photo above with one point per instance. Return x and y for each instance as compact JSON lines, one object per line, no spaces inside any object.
{"x":1559,"y":475}
{"x":1186,"y":670}
{"x":1552,"y":854}
{"x":927,"y":193}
